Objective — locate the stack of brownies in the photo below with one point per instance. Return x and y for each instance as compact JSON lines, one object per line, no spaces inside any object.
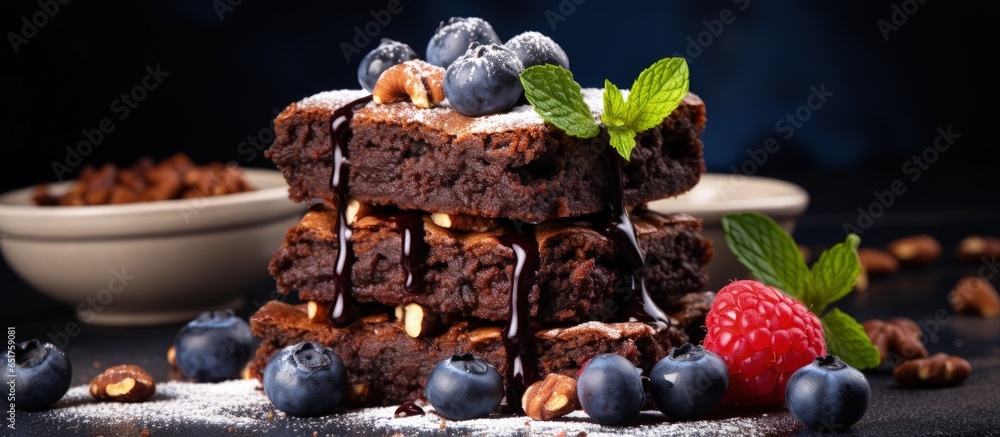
{"x":431,"y":234}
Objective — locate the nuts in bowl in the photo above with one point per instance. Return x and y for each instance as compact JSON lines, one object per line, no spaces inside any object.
{"x":147,"y":262}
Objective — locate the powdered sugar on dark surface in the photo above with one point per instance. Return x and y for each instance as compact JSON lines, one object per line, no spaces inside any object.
{"x":240,"y":408}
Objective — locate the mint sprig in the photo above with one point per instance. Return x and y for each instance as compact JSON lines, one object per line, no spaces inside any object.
{"x":557,"y":98}
{"x":654,"y":95}
{"x":770,"y":254}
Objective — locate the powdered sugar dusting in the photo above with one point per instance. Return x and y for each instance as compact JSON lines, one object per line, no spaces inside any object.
{"x":445,"y":118}
{"x":331,"y":100}
{"x":649,"y":423}
{"x":226,"y":403}
{"x":240,"y":407}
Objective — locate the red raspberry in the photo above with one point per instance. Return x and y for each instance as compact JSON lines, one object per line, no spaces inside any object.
{"x":764,"y":336}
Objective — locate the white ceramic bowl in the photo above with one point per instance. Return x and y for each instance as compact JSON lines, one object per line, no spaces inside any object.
{"x":719,"y":194}
{"x":152,"y":262}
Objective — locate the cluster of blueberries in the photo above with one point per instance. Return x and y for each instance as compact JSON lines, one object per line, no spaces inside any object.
{"x":308,"y":379}
{"x":481,"y":73}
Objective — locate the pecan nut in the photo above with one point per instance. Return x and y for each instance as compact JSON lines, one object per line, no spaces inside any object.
{"x":124,"y":383}
{"x":876,"y":262}
{"x":896,"y":339}
{"x":552,"y":397}
{"x":916,"y":250}
{"x":977,"y":296}
{"x":938,"y":370}
{"x":415,"y":81}
{"x":973,"y":248}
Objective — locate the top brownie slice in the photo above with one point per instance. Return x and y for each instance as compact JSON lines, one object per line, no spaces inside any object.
{"x":511,"y":165}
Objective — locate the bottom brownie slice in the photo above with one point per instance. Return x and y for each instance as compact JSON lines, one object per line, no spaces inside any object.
{"x":386,"y":366}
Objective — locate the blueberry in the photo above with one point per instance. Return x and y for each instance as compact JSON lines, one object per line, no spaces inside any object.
{"x":533,"y":48}
{"x":306,"y":379}
{"x":464,"y":387}
{"x":214,"y":347}
{"x":828,"y":394}
{"x":41,"y":375}
{"x":688,"y":382}
{"x":387,"y":54}
{"x":454,"y":37}
{"x":484,"y":81}
{"x":610,"y":389}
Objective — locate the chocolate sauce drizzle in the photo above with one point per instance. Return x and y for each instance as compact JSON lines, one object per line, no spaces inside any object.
{"x":638,"y":305}
{"x":414,"y":251}
{"x":518,"y":339}
{"x":342,"y":310}
{"x":408,"y":409}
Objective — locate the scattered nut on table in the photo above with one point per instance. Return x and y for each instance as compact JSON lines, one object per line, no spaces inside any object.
{"x":552,"y":397}
{"x":938,"y":370}
{"x":124,"y":383}
{"x":896,"y":339}
{"x":977,"y":296}
{"x":876,"y":262}
{"x":916,"y":250}
{"x":973,"y":248}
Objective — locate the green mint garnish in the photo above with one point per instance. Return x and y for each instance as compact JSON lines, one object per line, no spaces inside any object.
{"x":768,"y":252}
{"x":557,"y":98}
{"x":771,"y":255}
{"x":654,"y":95}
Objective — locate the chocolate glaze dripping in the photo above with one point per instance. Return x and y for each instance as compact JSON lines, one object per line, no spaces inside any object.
{"x":342,"y":310}
{"x":518,"y":338}
{"x":408,"y":409}
{"x":414,"y":251}
{"x":638,"y":306}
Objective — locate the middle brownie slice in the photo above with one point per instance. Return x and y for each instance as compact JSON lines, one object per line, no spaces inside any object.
{"x":580,"y":278}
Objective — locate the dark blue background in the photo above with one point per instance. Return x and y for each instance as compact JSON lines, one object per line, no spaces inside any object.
{"x":226,"y":76}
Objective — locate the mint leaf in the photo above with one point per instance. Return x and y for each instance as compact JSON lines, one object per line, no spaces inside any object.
{"x":768,"y":251}
{"x":834,"y":274}
{"x":623,"y":140}
{"x":846,"y":339}
{"x":615,"y":109}
{"x":557,"y":98}
{"x":656,"y":93}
